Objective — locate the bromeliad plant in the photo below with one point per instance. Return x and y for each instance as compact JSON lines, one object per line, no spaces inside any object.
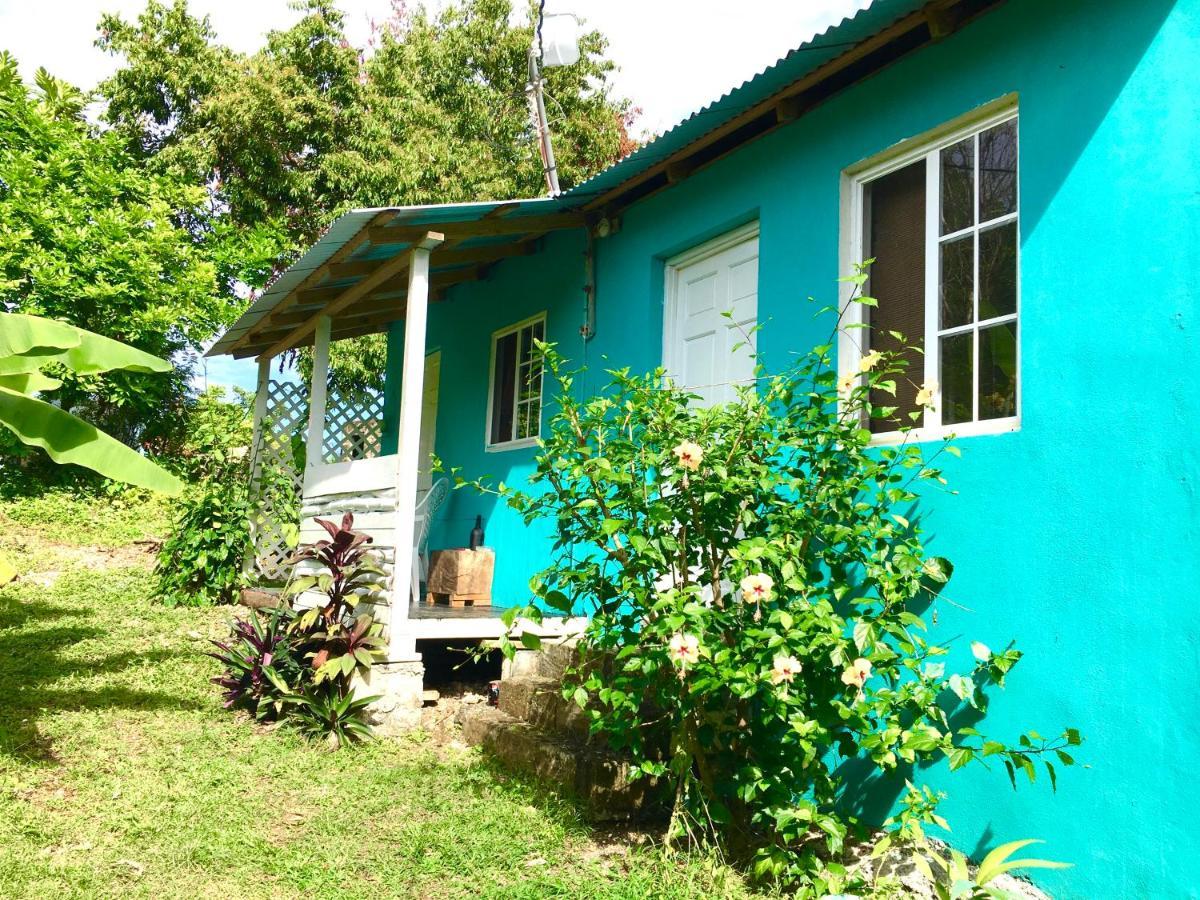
{"x":757,"y":586}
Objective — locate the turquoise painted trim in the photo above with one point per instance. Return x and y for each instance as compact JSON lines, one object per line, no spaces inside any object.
{"x":1076,"y":536}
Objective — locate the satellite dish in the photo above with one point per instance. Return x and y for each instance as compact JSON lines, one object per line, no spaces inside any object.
{"x":560,"y":40}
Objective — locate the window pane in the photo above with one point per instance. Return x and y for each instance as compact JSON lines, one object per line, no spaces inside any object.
{"x":998,"y":171}
{"x":957,"y":350}
{"x":957,"y":281}
{"x":896,"y":240}
{"x":958,"y":186}
{"x":998,"y":371}
{"x":998,"y":271}
{"x":502,"y":389}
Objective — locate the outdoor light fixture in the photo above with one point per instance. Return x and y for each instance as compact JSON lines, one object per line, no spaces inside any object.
{"x":555,"y":43}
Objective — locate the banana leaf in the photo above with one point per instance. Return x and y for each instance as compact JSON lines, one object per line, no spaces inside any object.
{"x":71,"y":440}
{"x":27,"y":343}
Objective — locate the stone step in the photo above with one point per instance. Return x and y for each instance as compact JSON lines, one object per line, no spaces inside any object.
{"x":551,"y":660}
{"x":540,"y":702}
{"x":598,"y":779}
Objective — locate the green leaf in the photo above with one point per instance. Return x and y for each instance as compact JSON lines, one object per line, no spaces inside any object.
{"x":29,"y":382}
{"x":27,"y":343}
{"x":68,"y":439}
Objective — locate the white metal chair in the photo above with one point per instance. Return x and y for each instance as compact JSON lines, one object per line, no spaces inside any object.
{"x":427,"y":508}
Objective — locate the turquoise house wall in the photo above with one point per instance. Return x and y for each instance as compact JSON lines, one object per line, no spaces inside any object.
{"x":1075,"y":536}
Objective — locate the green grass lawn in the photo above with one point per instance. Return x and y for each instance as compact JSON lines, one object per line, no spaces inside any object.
{"x":120,"y":774}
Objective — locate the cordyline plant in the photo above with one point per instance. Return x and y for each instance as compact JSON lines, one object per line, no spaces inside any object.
{"x":756,"y":591}
{"x":335,"y":640}
{"x":301,"y":663}
{"x":260,"y":666}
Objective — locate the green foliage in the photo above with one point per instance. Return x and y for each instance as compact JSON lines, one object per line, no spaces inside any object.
{"x":307,"y":127}
{"x":953,"y":880}
{"x":758,"y":587}
{"x":202,"y":560}
{"x":90,"y":237}
{"x":29,"y":344}
{"x":325,"y":711}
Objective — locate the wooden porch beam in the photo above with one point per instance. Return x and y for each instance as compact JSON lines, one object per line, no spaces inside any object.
{"x":348,"y":297}
{"x":313,"y":278}
{"x":485,"y":254}
{"x":392,"y":234}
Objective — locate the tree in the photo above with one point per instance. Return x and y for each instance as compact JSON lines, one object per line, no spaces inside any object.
{"x":290,"y":136}
{"x":89,"y":237}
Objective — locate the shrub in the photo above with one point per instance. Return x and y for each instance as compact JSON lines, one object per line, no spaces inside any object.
{"x":261,"y":665}
{"x":202,"y":561}
{"x":756,"y":581}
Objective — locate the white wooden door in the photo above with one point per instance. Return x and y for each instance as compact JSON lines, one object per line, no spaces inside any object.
{"x":698,"y":340}
{"x":429,"y":405}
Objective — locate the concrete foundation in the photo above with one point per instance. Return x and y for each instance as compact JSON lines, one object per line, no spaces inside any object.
{"x":400,"y":686}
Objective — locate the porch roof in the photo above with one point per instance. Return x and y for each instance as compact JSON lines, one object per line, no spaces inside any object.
{"x":356,"y":271}
{"x":363,"y":250}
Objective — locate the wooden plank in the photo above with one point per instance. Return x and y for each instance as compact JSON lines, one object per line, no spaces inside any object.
{"x":317,"y":394}
{"x":480,"y":228}
{"x":486,"y":254}
{"x":316,"y":276}
{"x":349,"y":296}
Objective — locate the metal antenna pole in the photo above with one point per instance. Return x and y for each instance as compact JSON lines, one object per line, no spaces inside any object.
{"x":543,"y":128}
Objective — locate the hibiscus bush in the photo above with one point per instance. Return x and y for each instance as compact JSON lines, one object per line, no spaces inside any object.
{"x":758,"y":590}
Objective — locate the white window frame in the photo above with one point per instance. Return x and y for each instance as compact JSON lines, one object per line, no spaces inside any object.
{"x":672,"y":324}
{"x":518,"y":443}
{"x":852,"y":251}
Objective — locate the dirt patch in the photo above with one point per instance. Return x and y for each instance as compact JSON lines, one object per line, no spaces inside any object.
{"x":137,"y":555}
{"x":439,"y":718}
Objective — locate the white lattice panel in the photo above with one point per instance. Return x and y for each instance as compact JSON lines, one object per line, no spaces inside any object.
{"x":277,"y":480}
{"x":353,"y":427}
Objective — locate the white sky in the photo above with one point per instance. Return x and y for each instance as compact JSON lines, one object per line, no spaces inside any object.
{"x":674,"y":56}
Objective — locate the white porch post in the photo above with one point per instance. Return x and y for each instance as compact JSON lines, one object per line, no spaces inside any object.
{"x":314,"y":445}
{"x":261,"y":395}
{"x":401,"y":644}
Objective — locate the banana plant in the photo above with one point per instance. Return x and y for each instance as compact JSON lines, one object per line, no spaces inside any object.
{"x":30,"y":344}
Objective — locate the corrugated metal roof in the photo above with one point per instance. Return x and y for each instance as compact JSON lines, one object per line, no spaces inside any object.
{"x":795,"y":65}
{"x":798,"y":63}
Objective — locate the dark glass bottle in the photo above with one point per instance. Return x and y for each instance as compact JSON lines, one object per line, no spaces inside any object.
{"x":477,"y":534}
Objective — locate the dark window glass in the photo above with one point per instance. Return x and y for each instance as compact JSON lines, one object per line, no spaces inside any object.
{"x":998,"y":371}
{"x":998,"y":171}
{"x":958,"y":186}
{"x":957,"y":287}
{"x":957,"y":350}
{"x":998,"y":271}
{"x":503,"y":378}
{"x":896,"y":240}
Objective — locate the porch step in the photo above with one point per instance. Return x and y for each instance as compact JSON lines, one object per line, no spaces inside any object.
{"x":539,"y":701}
{"x":600,"y":780}
{"x":551,"y":661}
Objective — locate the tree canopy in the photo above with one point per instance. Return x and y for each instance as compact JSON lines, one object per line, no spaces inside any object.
{"x":307,"y":127}
{"x":88,"y":236}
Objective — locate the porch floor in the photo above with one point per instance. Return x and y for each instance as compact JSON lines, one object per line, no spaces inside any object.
{"x":445,"y":611}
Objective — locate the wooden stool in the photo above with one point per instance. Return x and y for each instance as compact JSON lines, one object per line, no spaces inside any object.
{"x":461,"y":577}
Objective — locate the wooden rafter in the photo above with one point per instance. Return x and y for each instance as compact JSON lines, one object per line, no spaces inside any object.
{"x":401,"y":234}
{"x":348,"y":297}
{"x":486,"y":254}
{"x":314,"y":277}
